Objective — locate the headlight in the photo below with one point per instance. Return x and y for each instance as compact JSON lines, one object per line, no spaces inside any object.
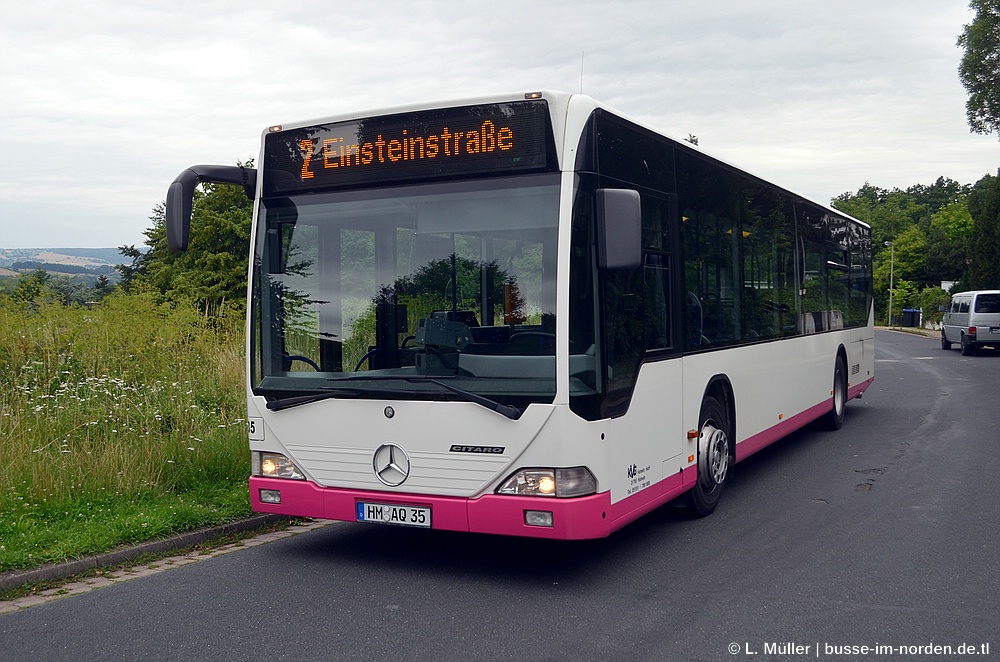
{"x":572,"y":482}
{"x":274,"y":465}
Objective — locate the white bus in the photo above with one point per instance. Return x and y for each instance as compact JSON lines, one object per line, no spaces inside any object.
{"x":528,"y":315}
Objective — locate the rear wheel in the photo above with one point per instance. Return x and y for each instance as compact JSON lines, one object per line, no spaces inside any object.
{"x":714,"y":459}
{"x":835,"y":417}
{"x":968,"y":349}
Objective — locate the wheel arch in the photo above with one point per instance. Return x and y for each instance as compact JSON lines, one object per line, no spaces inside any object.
{"x":721,"y":388}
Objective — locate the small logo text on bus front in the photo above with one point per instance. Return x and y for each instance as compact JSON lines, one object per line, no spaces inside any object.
{"x":492,"y":450}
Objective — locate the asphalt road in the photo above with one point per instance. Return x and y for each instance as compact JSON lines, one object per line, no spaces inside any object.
{"x":881,"y":534}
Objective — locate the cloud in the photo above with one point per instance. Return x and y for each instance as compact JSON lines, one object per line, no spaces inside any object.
{"x":105,"y":102}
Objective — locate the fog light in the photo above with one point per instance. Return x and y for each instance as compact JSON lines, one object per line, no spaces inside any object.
{"x":538,"y":518}
{"x":270,"y":496}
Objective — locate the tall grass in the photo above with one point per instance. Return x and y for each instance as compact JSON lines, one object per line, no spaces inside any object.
{"x":117,"y":424}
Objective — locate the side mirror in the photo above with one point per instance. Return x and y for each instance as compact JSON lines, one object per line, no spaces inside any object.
{"x":181,"y":193}
{"x":619,"y":229}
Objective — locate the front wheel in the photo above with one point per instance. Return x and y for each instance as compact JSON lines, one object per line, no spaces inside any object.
{"x":944,"y":341}
{"x":714,"y":459}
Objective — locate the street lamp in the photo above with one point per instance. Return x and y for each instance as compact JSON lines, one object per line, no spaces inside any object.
{"x":892,"y":263}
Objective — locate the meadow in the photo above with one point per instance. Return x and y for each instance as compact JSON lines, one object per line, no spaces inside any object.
{"x":119,"y":423}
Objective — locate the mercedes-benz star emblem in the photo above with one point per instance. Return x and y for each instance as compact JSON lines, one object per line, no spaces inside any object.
{"x":391,"y":464}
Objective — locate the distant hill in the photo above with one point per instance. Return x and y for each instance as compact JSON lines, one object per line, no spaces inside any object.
{"x":103,"y":255}
{"x":76,"y":261}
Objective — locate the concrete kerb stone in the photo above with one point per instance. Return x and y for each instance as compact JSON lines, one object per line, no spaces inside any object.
{"x":56,"y":571}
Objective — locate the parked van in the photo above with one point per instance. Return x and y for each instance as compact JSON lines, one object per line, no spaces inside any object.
{"x":972,"y":319}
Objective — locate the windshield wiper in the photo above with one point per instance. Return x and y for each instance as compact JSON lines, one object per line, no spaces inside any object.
{"x":296,"y":400}
{"x":509,"y":411}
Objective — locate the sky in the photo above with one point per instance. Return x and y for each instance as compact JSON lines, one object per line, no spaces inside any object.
{"x":104,"y":102}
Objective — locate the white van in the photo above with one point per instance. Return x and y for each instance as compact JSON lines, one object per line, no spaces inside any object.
{"x":972,"y":319}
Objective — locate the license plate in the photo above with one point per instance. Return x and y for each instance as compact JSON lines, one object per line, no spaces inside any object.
{"x":390,"y":513}
{"x":994,"y":329}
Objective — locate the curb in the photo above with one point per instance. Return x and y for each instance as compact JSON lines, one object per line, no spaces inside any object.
{"x":55,"y":571}
{"x":912,"y":330}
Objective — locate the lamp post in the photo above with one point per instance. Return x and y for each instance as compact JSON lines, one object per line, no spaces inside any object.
{"x":892,"y":264}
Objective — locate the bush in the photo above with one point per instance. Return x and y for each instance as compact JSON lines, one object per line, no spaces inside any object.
{"x":932,"y":298}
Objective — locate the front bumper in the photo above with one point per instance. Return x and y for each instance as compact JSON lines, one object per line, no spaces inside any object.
{"x":572,"y":519}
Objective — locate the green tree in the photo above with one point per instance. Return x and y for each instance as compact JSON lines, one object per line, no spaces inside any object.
{"x":984,"y":207}
{"x":979,"y":70}
{"x":948,"y":242}
{"x":954,"y":219}
{"x":904,"y":295}
{"x":103,"y":286}
{"x":931,"y":199}
{"x":133,"y":273}
{"x":909,"y":254}
{"x":72,"y":290}
{"x":902,"y":267}
{"x":34,"y":287}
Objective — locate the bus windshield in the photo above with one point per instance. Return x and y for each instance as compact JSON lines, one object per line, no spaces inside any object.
{"x":423,"y":291}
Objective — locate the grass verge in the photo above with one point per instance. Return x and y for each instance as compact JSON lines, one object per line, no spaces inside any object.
{"x":118,"y":424}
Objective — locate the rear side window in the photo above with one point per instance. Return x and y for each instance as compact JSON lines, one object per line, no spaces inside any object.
{"x":988,"y":303}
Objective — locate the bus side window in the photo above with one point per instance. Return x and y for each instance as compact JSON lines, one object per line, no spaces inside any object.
{"x":710,"y":233}
{"x":657,"y":247}
{"x":656,"y":289}
{"x":768,"y":264}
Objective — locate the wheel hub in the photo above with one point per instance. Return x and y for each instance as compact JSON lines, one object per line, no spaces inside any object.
{"x":714,"y":456}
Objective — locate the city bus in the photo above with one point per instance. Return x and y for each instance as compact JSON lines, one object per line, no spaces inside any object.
{"x":528,"y":315}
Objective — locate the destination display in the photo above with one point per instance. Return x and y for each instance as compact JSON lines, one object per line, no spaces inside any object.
{"x":469,"y":140}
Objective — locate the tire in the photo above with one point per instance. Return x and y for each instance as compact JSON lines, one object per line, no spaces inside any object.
{"x":944,"y":341}
{"x":968,"y":349}
{"x":834,"y":419}
{"x":714,"y":458}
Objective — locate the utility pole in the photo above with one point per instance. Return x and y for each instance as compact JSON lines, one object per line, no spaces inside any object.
{"x":892,"y":264}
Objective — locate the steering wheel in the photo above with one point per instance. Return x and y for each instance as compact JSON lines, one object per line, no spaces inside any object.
{"x":304,"y":359}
